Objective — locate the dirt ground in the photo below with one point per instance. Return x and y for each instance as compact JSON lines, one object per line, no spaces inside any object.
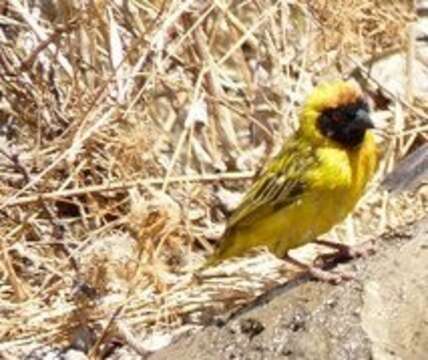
{"x":379,"y":315}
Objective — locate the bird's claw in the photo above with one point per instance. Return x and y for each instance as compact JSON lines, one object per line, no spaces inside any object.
{"x":363,"y":250}
{"x":330,"y":277}
{"x":346,"y":252}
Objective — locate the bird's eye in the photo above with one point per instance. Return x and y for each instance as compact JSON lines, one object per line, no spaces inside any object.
{"x":336,"y":117}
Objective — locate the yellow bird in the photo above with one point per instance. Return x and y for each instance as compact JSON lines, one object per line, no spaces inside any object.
{"x":313,"y":183}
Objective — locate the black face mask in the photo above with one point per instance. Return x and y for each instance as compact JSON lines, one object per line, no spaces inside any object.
{"x":346,"y":124}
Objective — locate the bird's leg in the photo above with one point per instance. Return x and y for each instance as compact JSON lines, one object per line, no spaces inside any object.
{"x":318,"y":273}
{"x":344,"y":252}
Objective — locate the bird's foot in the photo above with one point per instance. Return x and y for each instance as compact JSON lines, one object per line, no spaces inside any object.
{"x":329,"y":276}
{"x":344,"y":252}
{"x":320,"y":274}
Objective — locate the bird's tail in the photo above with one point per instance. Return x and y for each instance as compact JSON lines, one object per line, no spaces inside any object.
{"x":213,"y":260}
{"x":226,"y":249}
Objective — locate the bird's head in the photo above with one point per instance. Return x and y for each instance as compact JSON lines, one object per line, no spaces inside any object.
{"x":335,"y":113}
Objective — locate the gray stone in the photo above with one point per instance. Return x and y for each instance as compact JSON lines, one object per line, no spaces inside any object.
{"x":380,"y":315}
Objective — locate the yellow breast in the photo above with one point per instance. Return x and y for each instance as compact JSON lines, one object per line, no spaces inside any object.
{"x":337,"y":185}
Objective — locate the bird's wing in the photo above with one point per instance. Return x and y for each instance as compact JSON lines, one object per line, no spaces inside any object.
{"x":279,"y":185}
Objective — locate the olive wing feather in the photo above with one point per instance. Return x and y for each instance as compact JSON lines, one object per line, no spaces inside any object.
{"x":280,"y":184}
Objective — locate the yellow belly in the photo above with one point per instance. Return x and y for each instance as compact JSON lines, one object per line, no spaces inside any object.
{"x":315,"y":215}
{"x":294,"y":226}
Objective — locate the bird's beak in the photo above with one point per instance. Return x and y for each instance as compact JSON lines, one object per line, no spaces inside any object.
{"x":364,"y":119}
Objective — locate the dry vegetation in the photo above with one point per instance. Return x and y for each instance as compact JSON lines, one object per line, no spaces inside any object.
{"x":127,"y":128}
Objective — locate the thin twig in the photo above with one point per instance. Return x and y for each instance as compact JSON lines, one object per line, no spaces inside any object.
{"x":118,"y":186}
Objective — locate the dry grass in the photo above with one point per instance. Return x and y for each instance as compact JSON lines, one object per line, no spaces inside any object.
{"x":122,"y":127}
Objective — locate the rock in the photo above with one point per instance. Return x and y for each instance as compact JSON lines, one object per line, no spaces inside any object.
{"x":395,"y":304}
{"x":380,"y":315}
